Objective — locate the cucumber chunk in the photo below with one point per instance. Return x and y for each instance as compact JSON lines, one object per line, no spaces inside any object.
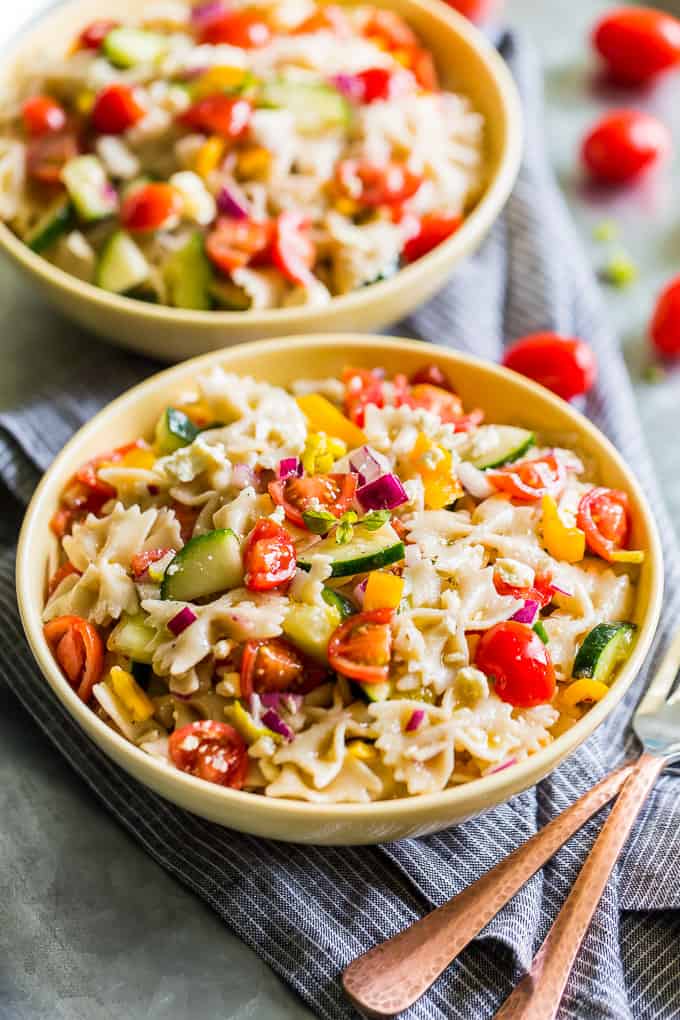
{"x":121,"y":265}
{"x":207,"y":564}
{"x":368,"y":550}
{"x":340,"y":602}
{"x":52,"y":225}
{"x":315,"y":106}
{"x":310,"y":628}
{"x":92,"y":194}
{"x":127,"y":47}
{"x":494,"y":445}
{"x":187,"y":275}
{"x":229,"y":296}
{"x":134,"y":638}
{"x":373,"y":692}
{"x":602,"y":650}
{"x":173,"y":430}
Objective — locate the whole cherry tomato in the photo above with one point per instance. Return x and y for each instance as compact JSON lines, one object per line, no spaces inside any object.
{"x":432,"y":230}
{"x":665,"y":326}
{"x":373,"y":184}
{"x":475,"y":10}
{"x":604,"y":516}
{"x":245,"y":29}
{"x":293,"y":251}
{"x":269,"y":556}
{"x":210,"y":750}
{"x":637,"y":43}
{"x":227,"y":116}
{"x":232,"y":244}
{"x":150,"y":207}
{"x":431,"y":375}
{"x":94,"y":34}
{"x":42,"y":115}
{"x":518,"y":663}
{"x":116,"y":109}
{"x":540,"y":591}
{"x":79,"y":650}
{"x":623,"y":144}
{"x":47,"y":156}
{"x":333,"y":493}
{"x":565,"y":365}
{"x":275,"y":665}
{"x":361,"y":647}
{"x":530,"y":480}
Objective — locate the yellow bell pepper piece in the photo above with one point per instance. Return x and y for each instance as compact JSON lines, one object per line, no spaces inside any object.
{"x":140,"y":457}
{"x":209,"y":156}
{"x":322,"y":416}
{"x":85,"y":102}
{"x":627,"y":556}
{"x":199,"y":411}
{"x":434,"y":465}
{"x":583,"y":690}
{"x":218,"y":79}
{"x":362,"y":750}
{"x":254,"y":162}
{"x":321,"y":452}
{"x":135,"y":701}
{"x":383,"y":591}
{"x":561,"y":541}
{"x":346,"y":206}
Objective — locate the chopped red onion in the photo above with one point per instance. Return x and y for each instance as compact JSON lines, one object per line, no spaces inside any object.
{"x":273,"y":721}
{"x":474,"y":481}
{"x":384,"y":493}
{"x":153,"y":490}
{"x":504,"y":765}
{"x":359,"y":592}
{"x":211,"y":10}
{"x":282,"y":699}
{"x":368,"y":465}
{"x":290,"y":466}
{"x":349,"y":85}
{"x":182,"y":620}
{"x":416,"y":720}
{"x":528,"y":612}
{"x":232,"y":204}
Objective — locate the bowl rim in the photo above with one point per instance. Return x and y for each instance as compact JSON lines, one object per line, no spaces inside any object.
{"x":485,"y":212}
{"x":497,"y":787}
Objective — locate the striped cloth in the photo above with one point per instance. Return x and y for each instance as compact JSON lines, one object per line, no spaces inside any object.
{"x":309,"y":911}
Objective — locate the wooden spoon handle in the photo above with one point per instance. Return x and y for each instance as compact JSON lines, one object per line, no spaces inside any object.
{"x":538,"y":995}
{"x":390,"y":977}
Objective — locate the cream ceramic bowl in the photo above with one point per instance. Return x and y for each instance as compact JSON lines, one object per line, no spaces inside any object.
{"x":506,"y":397}
{"x":466,"y":61}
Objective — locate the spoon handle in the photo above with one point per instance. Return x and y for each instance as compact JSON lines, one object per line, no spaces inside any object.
{"x":393,"y":975}
{"x":538,"y":995}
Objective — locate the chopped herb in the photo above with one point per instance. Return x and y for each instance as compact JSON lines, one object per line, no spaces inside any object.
{"x":318,"y":521}
{"x":376,"y":519}
{"x":654,"y":373}
{"x":539,"y":629}
{"x":606,"y":230}
{"x":344,"y":530}
{"x":620,"y":271}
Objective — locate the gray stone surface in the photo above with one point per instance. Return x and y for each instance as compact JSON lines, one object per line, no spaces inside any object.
{"x":90,"y":928}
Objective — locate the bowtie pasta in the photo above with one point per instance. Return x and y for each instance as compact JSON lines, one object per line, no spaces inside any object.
{"x":347,"y":591}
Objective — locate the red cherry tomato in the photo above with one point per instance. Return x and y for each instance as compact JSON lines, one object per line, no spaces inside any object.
{"x":94,"y":34}
{"x":530,"y":480}
{"x":46,"y":156}
{"x":565,"y":365}
{"x":86,"y":491}
{"x":293,"y":251}
{"x":62,"y":520}
{"x":275,"y":665}
{"x":518,"y":663}
{"x":116,"y":109}
{"x":210,"y":750}
{"x":65,"y":570}
{"x":475,"y":10}
{"x":245,"y":29}
{"x":333,"y":493}
{"x":363,"y":386}
{"x":223,"y":115}
{"x":373,"y":184}
{"x":623,"y":144}
{"x":380,"y":84}
{"x":186,"y":518}
{"x":637,"y":43}
{"x":42,"y":115}
{"x":604,"y":516}
{"x":79,"y":650}
{"x":269,"y":556}
{"x":361,"y":647}
{"x":421,"y":63}
{"x":234,"y":243}
{"x":448,"y":406}
{"x":140,"y":563}
{"x":431,"y":375}
{"x":391,"y":29}
{"x":541,"y":591}
{"x":331,"y":18}
{"x":150,"y":207}
{"x":665,"y":326}
{"x":432,"y":230}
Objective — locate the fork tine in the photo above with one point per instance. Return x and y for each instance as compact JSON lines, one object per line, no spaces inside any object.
{"x":663,"y":680}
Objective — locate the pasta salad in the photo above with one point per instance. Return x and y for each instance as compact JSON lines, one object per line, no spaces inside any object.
{"x":345,"y":591}
{"x":239,"y":155}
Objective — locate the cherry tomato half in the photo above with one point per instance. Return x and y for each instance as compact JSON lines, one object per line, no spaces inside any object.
{"x":140,"y":563}
{"x":421,"y":64}
{"x":79,"y":650}
{"x":380,"y":84}
{"x":150,"y":207}
{"x":448,"y":406}
{"x":293,"y":251}
{"x":665,"y":325}
{"x":42,"y":115}
{"x":623,"y":144}
{"x":541,"y":590}
{"x":373,"y":184}
{"x":232,"y":244}
{"x":604,"y":516}
{"x":361,"y":647}
{"x":210,"y":750}
{"x":269,"y":556}
{"x":431,"y":375}
{"x":565,"y":365}
{"x":333,"y":493}
{"x":363,"y":386}
{"x":46,"y":156}
{"x":518,"y":663}
{"x":331,"y":18}
{"x":275,"y":665}
{"x":432,"y":230}
{"x":94,"y":34}
{"x":65,"y":570}
{"x":637,"y":43}
{"x":227,"y":116}
{"x":530,"y":480}
{"x":245,"y":29}
{"x":116,"y":109}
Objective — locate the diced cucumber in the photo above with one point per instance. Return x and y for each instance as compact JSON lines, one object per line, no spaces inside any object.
{"x":207,"y":564}
{"x":187,"y":275}
{"x":602,"y":650}
{"x":57,"y":221}
{"x":229,"y":296}
{"x":127,"y":47}
{"x":310,"y":628}
{"x":133,"y":637}
{"x":368,"y":550}
{"x":315,"y":106}
{"x":244,"y":723}
{"x":90,"y":190}
{"x":173,"y":430}
{"x":340,"y":602}
{"x":121,"y":265}
{"x":494,"y":445}
{"x":373,"y":692}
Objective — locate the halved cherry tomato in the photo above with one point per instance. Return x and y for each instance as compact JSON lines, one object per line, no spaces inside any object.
{"x":245,"y":29}
{"x":79,"y":650}
{"x":186,"y":517}
{"x":333,"y":493}
{"x":275,"y":665}
{"x":293,"y":251}
{"x":116,"y":109}
{"x":150,"y":207}
{"x":541,"y":590}
{"x":363,"y":386}
{"x":86,"y":491}
{"x":622,"y":144}
{"x":432,"y":230}
{"x":361,"y":647}
{"x":665,"y":325}
{"x":391,"y":29}
{"x":421,"y":63}
{"x":227,"y":116}
{"x":232,"y":244}
{"x":329,"y":18}
{"x":518,"y":663}
{"x":565,"y":365}
{"x":373,"y":184}
{"x":431,"y":375}
{"x":65,"y":570}
{"x":380,"y":84}
{"x":468,"y":422}
{"x":62,"y":520}
{"x":448,"y":406}
{"x":269,"y":556}
{"x":140,"y":563}
{"x":46,"y":156}
{"x":530,"y":480}
{"x":604,"y":516}
{"x":42,"y":115}
{"x":637,"y":43}
{"x":94,"y":34}
{"x":210,"y":750}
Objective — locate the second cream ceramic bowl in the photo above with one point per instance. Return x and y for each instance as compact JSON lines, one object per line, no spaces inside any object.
{"x":506,"y":397}
{"x":466,"y":63}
